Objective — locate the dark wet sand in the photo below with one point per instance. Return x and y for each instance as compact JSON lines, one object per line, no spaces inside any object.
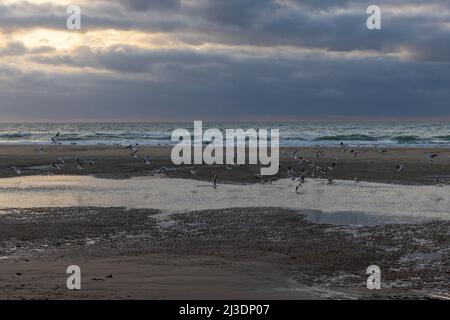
{"x":220,"y":254}
{"x":115,"y":162}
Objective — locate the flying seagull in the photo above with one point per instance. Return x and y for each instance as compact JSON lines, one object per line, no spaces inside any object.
{"x":431,"y":156}
{"x":133,"y":153}
{"x":401,"y":167}
{"x":193,"y":171}
{"x":16,"y":170}
{"x":41,"y":149}
{"x":79,"y":164}
{"x":55,"y":166}
{"x":299,"y":186}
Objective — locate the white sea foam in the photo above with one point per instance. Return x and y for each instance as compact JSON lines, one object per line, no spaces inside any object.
{"x":187,"y":195}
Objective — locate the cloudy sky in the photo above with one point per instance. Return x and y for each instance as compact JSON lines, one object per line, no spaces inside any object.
{"x":223,"y":60}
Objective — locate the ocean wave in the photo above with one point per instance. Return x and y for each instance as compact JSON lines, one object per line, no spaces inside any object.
{"x":409,"y":139}
{"x":444,"y":138}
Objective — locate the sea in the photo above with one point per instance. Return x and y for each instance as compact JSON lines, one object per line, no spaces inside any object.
{"x":298,"y":134}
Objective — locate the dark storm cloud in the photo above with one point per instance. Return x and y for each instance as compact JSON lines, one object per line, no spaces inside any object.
{"x":265,"y":58}
{"x":313,"y":24}
{"x":189,"y":85}
{"x":142,"y":5}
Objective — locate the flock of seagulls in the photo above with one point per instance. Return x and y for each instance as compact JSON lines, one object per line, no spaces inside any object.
{"x":311,"y":169}
{"x":307,"y":167}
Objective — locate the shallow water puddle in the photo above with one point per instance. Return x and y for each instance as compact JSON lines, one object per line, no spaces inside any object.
{"x":344,"y":202}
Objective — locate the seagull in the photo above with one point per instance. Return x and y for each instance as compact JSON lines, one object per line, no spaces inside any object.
{"x":133,"y":153}
{"x":332,"y":166}
{"x":330,"y":180}
{"x":401,"y":167}
{"x":290,"y":172}
{"x":147,"y":159}
{"x":193,"y":171}
{"x":162,"y":170}
{"x":300,"y":185}
{"x":41,"y":149}
{"x":55,"y":166}
{"x":356,"y":179}
{"x":80,"y":165}
{"x":431,"y":156}
{"x":229,"y":168}
{"x":88,"y":162}
{"x":215,"y":181}
{"x":16,"y":170}
{"x":304,"y":161}
{"x":344,"y":147}
{"x":438,"y":181}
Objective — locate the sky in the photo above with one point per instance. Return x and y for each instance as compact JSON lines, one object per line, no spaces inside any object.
{"x":269,"y":60}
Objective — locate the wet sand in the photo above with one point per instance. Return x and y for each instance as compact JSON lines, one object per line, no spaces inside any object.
{"x":254,"y":252}
{"x":260,"y":253}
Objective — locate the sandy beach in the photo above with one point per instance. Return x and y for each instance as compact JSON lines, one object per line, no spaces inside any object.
{"x":141,"y":233}
{"x":114,"y":162}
